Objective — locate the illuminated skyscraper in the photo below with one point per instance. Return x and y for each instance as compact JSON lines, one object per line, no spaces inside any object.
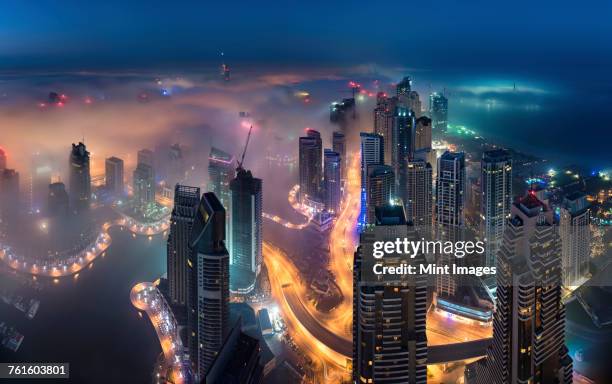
{"x":438,"y":108}
{"x":220,"y":174}
{"x":311,"y":165}
{"x":419,"y":194}
{"x":186,"y":200}
{"x":80,"y":178}
{"x":403,"y":147}
{"x":383,"y":122}
{"x":114,"y":175}
{"x":372,"y":153}
{"x":144,"y":185}
{"x":380,"y":183}
{"x":449,"y":212}
{"x":404,"y":87}
{"x":529,"y":322}
{"x":209,"y":278}
{"x":389,"y":314}
{"x":331,"y":180}
{"x":575,"y":234}
{"x":246,"y":226}
{"x":339,"y":146}
{"x":58,"y":203}
{"x":496,"y":186}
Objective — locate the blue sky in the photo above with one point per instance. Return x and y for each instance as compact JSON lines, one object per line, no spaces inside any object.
{"x":427,"y":34}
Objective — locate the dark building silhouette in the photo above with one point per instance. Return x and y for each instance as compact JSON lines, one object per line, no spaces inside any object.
{"x":58,"y":203}
{"x":311,"y":166}
{"x":80,"y":178}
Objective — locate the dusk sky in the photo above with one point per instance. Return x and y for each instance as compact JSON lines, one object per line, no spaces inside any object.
{"x":520,"y":35}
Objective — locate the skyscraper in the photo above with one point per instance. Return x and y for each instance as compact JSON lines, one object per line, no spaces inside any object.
{"x":145,"y":156}
{"x":403,"y":147}
{"x":496,"y":186}
{"x":2,"y":159}
{"x":419,"y":194}
{"x":58,"y":203}
{"x":438,"y":108}
{"x":331,"y":180}
{"x":403,"y":88}
{"x":186,"y":200}
{"x":220,"y":174}
{"x":380,"y":183}
{"x":9,"y":195}
{"x":143,"y":185}
{"x":311,"y":166}
{"x":422,"y":140}
{"x":339,"y":146}
{"x":529,"y":322}
{"x":575,"y":234}
{"x":383,"y":122}
{"x":208,"y":294}
{"x":246,"y":226}
{"x":114,"y":175}
{"x":372,"y":153}
{"x":80,"y":178}
{"x":389,"y":315}
{"x":449,"y":215}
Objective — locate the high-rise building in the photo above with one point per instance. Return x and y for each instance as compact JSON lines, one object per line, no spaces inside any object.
{"x":438,"y":108}
{"x":449,"y":212}
{"x":331,"y":180}
{"x":311,"y":166}
{"x":529,"y":322}
{"x":339,"y":146}
{"x":372,"y":153}
{"x":380,"y":183}
{"x":574,"y":228}
{"x":208,"y":293}
{"x":342,"y":113}
{"x":389,"y":315}
{"x":114,"y":175}
{"x":58,"y":203}
{"x":146,"y":156}
{"x":9,"y":194}
{"x":403,"y":88}
{"x":80,"y":178}
{"x":246,"y":230}
{"x":422,"y":139}
{"x":419,"y":194}
{"x":186,"y":200}
{"x":39,"y":179}
{"x":2,"y":159}
{"x":383,"y":122}
{"x":496,"y":187}
{"x":144,"y":185}
{"x":403,"y":147}
{"x":220,"y":174}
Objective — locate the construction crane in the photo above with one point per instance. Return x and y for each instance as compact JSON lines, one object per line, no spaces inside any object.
{"x":245,"y":149}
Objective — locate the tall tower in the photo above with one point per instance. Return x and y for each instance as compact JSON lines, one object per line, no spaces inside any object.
{"x":114,"y":175}
{"x":496,"y":186}
{"x":246,"y":230}
{"x":331,"y":176}
{"x":372,"y":153}
{"x":419,"y":194}
{"x":379,"y":189}
{"x":339,"y":146}
{"x":529,"y":322}
{"x":58,"y":202}
{"x":80,"y":178}
{"x":575,"y":238}
{"x":438,"y":108}
{"x":383,"y":122}
{"x":9,"y":196}
{"x":449,"y":215}
{"x":403,"y":146}
{"x":186,"y":200}
{"x":209,"y":277}
{"x":2,"y":159}
{"x":311,"y":166}
{"x":143,"y":185}
{"x":422,"y":140}
{"x":220,"y":174}
{"x":389,"y":314}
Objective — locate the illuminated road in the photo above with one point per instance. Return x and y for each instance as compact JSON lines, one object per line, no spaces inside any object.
{"x":146,"y":297}
{"x":76,"y":263}
{"x":293,"y":201}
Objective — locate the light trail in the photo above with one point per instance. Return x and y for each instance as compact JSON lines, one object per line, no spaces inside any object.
{"x":146,"y":297}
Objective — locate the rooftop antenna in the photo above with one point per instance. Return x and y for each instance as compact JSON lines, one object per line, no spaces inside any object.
{"x":245,"y":149}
